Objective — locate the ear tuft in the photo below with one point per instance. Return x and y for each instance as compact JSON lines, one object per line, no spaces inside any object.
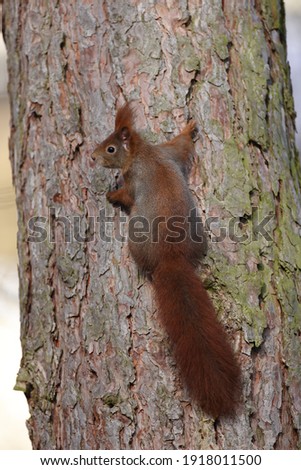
{"x":125,"y":117}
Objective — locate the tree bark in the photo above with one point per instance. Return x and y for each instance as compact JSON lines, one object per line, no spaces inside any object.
{"x":97,"y":367}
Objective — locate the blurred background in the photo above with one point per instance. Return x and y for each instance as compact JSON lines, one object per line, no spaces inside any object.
{"x":13,"y":406}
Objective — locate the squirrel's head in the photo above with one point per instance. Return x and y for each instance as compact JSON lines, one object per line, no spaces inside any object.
{"x":112,"y":152}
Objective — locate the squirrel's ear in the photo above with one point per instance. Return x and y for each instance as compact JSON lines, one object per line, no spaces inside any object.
{"x":125,"y":134}
{"x":125,"y":117}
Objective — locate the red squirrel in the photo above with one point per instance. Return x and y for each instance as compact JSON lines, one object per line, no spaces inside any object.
{"x":156,"y":195}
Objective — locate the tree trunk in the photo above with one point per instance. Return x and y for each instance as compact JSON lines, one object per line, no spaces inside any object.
{"x":97,"y":367}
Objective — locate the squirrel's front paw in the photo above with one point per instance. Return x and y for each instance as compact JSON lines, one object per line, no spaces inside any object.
{"x":110,"y":197}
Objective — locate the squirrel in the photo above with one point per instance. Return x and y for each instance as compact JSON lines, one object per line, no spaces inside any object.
{"x":156,"y":195}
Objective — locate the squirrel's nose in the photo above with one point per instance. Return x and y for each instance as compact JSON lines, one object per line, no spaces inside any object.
{"x":93,"y":156}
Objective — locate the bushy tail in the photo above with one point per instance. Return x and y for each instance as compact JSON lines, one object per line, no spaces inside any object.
{"x":203,"y":355}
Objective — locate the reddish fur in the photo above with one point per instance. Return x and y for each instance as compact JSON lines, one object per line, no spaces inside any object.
{"x":204,"y":357}
{"x":202,"y":353}
{"x":124,"y":117}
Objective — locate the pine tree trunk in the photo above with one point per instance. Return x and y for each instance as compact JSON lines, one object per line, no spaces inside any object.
{"x":97,"y":367}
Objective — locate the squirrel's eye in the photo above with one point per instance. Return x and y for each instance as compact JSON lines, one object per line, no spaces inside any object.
{"x":111,"y":149}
